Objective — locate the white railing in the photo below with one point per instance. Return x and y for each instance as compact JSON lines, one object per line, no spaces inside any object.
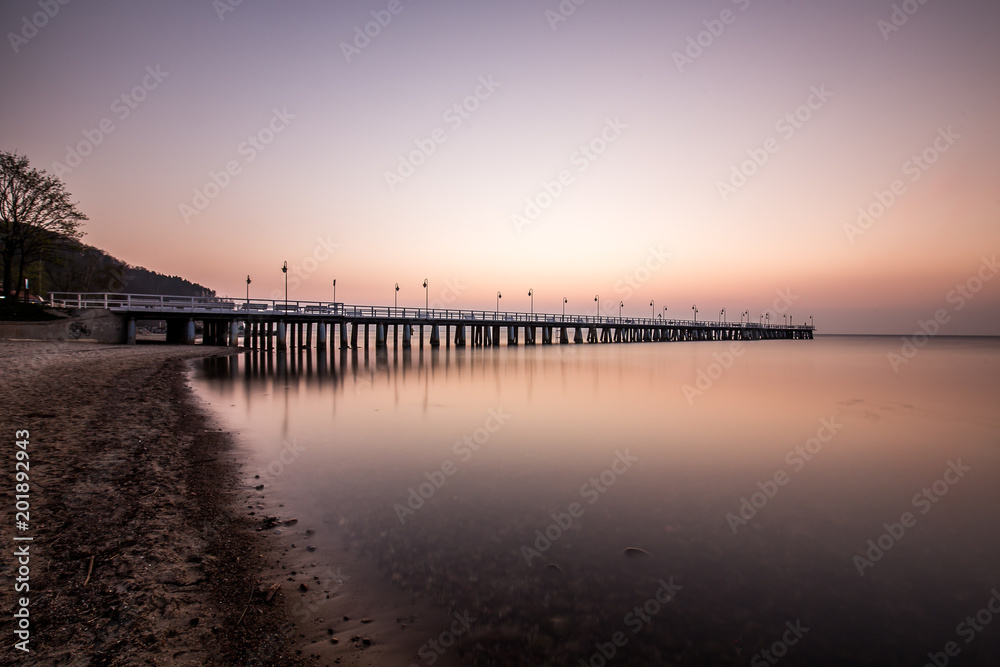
{"x":155,"y":305}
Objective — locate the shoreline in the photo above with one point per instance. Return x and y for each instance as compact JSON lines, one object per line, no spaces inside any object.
{"x":138,"y":554}
{"x":344,"y":609}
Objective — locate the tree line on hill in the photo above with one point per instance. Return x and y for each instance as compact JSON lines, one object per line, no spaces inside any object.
{"x":40,"y":243}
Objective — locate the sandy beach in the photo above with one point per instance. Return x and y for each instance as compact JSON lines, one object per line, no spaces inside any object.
{"x":138,"y":555}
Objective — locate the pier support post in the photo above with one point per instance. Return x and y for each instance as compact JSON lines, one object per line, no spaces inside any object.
{"x":234,"y":333}
{"x":130,"y":332}
{"x":380,"y":335}
{"x":578,"y":335}
{"x":563,"y":336}
{"x":189,"y":332}
{"x":343,"y":336}
{"x":366,"y":336}
{"x":407,"y":335}
{"x":321,"y":335}
{"x":435,"y":336}
{"x":282,"y":336}
{"x":511,"y":336}
{"x":354,"y":334}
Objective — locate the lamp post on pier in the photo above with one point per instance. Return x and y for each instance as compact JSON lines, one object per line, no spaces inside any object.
{"x":565,"y":300}
{"x":597,"y":298}
{"x":722,"y":314}
{"x":653,"y":306}
{"x":284,"y":269}
{"x":531,"y":293}
{"x":695,"y":309}
{"x":621,"y":304}
{"x":811,"y":323}
{"x":395,"y":298}
{"x":248,"y":291}
{"x":664,"y":313}
{"x":334,"y":292}
{"x":426,"y":296}
{"x":498,"y":305}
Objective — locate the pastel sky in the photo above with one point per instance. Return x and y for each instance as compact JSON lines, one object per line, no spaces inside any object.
{"x":712,"y":153}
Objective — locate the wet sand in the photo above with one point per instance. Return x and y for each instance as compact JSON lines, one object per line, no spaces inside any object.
{"x":139,"y":555}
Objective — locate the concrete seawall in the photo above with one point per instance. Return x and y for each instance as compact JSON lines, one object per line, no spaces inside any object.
{"x":100,"y":326}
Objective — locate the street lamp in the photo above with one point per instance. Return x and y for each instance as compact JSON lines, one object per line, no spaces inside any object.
{"x":284,"y":269}
{"x":811,"y":321}
{"x":695,"y":309}
{"x":722,"y":314}
{"x":565,"y":301}
{"x":767,"y":319}
{"x":334,"y":290}
{"x":395,"y":296}
{"x":248,"y":291}
{"x":531,"y":293}
{"x":426,"y":296}
{"x":653,"y":307}
{"x":621,"y":304}
{"x":664,"y":312}
{"x":597,"y":298}
{"x":498,"y":304}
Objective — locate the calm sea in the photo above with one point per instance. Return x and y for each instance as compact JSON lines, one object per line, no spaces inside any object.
{"x":695,"y":503}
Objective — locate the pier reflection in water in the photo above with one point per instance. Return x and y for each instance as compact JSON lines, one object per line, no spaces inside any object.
{"x":512,"y":482}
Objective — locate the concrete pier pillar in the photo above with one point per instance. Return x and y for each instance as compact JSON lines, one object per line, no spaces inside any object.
{"x":130,"y":332}
{"x":421,"y":336}
{"x":282,"y":336}
{"x":496,"y":335}
{"x":309,"y":335}
{"x":487,"y":336}
{"x":563,"y":336}
{"x":578,"y":335}
{"x":380,"y":335}
{"x":447,"y":335}
{"x":234,"y":333}
{"x":460,"y":335}
{"x":395,"y":336}
{"x":354,"y":334}
{"x":435,"y":336}
{"x":546,"y":335}
{"x":189,"y":332}
{"x":321,"y":335}
{"x":269,"y":336}
{"x":407,"y":335}
{"x":343,"y":336}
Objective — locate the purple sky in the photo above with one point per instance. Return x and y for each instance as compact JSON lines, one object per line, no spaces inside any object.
{"x":709,"y":153}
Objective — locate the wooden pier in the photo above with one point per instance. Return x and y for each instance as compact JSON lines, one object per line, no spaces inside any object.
{"x":292,"y":324}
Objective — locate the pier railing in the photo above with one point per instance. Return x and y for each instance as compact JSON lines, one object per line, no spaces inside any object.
{"x":156,"y":306}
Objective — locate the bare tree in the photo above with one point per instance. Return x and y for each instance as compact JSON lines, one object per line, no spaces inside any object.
{"x":35,"y":213}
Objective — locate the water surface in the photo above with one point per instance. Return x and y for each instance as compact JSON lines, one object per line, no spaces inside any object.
{"x":509,"y":483}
